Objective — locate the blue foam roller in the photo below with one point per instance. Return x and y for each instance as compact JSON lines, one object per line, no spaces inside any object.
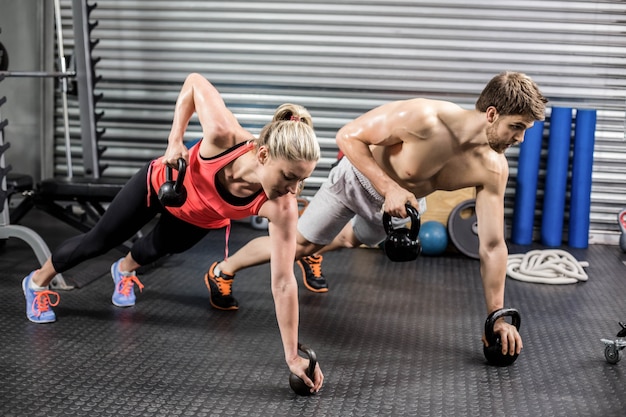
{"x":582,"y":165}
{"x":556,"y":176}
{"x":526,"y":188}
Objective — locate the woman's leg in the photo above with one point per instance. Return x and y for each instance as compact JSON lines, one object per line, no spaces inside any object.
{"x":170,"y":235}
{"x":127,"y":214}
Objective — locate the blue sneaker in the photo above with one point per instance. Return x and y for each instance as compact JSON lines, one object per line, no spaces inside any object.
{"x":124,"y":294}
{"x":38,"y":303}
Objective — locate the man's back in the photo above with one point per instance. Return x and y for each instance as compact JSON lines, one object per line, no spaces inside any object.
{"x":435,"y":145}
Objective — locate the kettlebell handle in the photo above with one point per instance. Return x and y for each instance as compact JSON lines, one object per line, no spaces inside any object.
{"x":312,"y":358}
{"x":182,"y":169}
{"x":495,"y":315}
{"x":295,"y":382}
{"x":415,"y":221}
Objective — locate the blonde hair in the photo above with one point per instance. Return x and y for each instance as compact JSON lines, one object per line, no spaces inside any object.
{"x":513,"y":93}
{"x":290,"y":134}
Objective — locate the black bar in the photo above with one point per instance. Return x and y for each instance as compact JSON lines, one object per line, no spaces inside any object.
{"x":37,"y":74}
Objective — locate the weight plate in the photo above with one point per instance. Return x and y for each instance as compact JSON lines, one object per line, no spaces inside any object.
{"x":611,"y":354}
{"x":462,"y":228}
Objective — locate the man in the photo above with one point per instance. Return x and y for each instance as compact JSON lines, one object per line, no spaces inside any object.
{"x":399,"y":153}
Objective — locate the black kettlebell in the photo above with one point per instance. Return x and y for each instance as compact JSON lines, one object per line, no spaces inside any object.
{"x":493,"y":352}
{"x":295,"y":382}
{"x":173,"y":193}
{"x":402,"y":244}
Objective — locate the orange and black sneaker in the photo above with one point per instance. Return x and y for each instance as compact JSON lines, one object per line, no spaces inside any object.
{"x":312,"y":277}
{"x":220,"y":288}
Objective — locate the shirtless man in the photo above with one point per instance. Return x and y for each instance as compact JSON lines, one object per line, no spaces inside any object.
{"x":399,"y":153}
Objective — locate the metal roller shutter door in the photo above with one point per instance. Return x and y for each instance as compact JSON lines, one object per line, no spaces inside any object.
{"x":341,"y":58}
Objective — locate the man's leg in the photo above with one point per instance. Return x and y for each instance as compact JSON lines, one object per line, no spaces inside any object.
{"x":311,"y":266}
{"x":322,"y":220}
{"x":220,"y":276}
{"x":345,"y":239}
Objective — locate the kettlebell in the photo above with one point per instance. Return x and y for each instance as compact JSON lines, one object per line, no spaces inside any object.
{"x":295,"y":382}
{"x":173,"y":193}
{"x":493,"y":352}
{"x":402,"y":244}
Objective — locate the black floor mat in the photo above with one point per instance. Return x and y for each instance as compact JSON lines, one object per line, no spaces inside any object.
{"x":395,"y":339}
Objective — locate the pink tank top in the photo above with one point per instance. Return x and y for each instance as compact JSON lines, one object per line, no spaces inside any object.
{"x":208,"y":204}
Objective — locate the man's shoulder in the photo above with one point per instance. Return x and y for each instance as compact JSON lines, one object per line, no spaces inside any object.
{"x":432,"y":104}
{"x":495,"y":165}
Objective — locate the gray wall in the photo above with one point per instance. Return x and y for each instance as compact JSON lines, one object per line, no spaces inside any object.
{"x":22,"y":32}
{"x":339,"y":61}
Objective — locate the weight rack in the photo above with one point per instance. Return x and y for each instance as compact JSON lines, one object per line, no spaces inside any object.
{"x":77,"y":201}
{"x":8,"y":230}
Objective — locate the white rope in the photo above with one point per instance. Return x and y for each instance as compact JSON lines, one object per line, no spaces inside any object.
{"x":549,"y":266}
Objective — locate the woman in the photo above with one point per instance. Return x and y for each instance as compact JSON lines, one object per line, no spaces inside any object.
{"x":230,"y":175}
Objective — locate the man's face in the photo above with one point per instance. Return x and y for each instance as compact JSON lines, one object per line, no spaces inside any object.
{"x":506,"y":131}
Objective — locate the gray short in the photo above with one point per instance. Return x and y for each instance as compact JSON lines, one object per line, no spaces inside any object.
{"x":346,"y":195}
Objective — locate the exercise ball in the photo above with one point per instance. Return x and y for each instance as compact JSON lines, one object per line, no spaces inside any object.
{"x":433,"y":237}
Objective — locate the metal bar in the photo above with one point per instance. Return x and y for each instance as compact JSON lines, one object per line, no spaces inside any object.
{"x":38,"y":74}
{"x":66,"y":119}
{"x":4,"y":210}
{"x":85,"y":85}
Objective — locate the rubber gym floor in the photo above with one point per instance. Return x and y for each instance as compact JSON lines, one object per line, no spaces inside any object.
{"x":393,"y":339}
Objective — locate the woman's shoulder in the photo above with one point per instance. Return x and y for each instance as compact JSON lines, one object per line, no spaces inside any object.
{"x":280,"y":210}
{"x":212,"y":149}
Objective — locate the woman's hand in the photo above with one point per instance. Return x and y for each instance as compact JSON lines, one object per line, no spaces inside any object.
{"x":175,"y":150}
{"x":299,"y":367}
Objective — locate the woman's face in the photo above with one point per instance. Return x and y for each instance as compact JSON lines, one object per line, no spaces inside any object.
{"x":281,"y":177}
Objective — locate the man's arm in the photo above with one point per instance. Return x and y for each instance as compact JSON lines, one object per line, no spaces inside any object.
{"x":493,"y":254}
{"x":376,"y":128}
{"x":492,"y":250}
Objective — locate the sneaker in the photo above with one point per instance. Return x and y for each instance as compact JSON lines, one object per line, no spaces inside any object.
{"x":124,"y":294}
{"x":312,"y":276}
{"x":38,"y":302}
{"x":220,"y":289}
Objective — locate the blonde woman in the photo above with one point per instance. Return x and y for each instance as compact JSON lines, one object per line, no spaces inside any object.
{"x":229,"y":175}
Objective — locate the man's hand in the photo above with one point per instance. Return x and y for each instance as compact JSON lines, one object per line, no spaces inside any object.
{"x":396,"y":200}
{"x":509,"y":337}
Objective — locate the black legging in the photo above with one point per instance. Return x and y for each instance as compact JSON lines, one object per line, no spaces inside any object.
{"x":125,"y":216}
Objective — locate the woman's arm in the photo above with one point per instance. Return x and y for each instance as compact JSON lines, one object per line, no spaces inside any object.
{"x":282,"y":214}
{"x":220,"y":128}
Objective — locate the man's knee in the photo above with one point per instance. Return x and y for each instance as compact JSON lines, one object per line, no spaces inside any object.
{"x":305,"y":248}
{"x":347,"y":238}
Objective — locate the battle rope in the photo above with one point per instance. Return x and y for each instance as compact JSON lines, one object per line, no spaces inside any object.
{"x":549,"y":266}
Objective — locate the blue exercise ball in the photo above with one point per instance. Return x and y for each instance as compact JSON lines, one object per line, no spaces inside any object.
{"x":434,"y":238}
